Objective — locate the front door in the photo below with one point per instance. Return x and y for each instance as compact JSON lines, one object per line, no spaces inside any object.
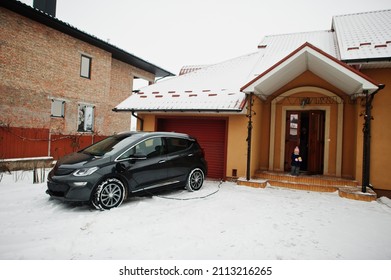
{"x":316,"y":142}
{"x":305,"y":129}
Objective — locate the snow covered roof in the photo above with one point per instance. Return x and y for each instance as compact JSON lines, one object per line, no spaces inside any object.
{"x":212,"y":88}
{"x":279,"y":59}
{"x":276,"y":47}
{"x":218,"y":87}
{"x":363,"y":36}
{"x":308,"y":57}
{"x":190,"y":68}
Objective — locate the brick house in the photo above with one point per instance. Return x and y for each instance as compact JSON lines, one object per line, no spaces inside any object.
{"x":58,"y":84}
{"x":317,"y":90}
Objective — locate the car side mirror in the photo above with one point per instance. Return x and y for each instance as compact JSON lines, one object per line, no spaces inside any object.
{"x":120,"y":167}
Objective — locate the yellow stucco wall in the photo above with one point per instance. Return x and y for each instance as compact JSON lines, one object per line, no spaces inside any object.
{"x":350,"y":148}
{"x":380,"y":175}
{"x":149,"y":122}
{"x":237,"y":141}
{"x":350,"y":134}
{"x":236,"y":145}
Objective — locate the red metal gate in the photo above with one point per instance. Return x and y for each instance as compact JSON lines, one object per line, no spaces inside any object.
{"x":18,"y":142}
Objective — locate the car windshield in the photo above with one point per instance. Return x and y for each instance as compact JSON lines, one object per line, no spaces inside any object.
{"x":112,"y":143}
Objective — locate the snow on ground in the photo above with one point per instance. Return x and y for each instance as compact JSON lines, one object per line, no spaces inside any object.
{"x":236,"y":223}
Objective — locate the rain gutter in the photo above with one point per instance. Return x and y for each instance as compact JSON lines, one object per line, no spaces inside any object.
{"x":180,"y":110}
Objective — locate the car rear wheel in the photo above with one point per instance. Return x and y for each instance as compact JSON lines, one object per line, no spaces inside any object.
{"x":109,"y":194}
{"x":195,"y":180}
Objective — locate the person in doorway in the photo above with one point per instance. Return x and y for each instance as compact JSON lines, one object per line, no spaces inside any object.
{"x":296,"y":162}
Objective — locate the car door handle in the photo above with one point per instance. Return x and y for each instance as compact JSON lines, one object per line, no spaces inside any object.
{"x":162,"y":161}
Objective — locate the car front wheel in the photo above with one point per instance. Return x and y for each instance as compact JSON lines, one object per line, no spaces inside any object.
{"x":195,"y":180}
{"x":109,"y":194}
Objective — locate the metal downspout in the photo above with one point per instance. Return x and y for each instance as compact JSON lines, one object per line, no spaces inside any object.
{"x":249,"y":135}
{"x":140,"y":119}
{"x":367,"y":139}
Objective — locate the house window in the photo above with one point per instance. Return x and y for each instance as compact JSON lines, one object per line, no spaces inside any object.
{"x":85,"y":121}
{"x":85,"y":67}
{"x":58,"y":108}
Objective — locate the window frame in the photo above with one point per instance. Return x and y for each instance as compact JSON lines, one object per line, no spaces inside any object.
{"x":54,"y":114}
{"x":82,"y":119}
{"x":83,"y":64}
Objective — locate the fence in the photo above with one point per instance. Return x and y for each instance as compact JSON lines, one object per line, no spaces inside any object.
{"x":16,"y":142}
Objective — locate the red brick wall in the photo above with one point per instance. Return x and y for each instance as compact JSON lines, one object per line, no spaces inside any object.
{"x":40,"y":63}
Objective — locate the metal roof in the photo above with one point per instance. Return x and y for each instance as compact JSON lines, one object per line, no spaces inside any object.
{"x":364,"y":36}
{"x":214,"y":88}
{"x":190,"y":68}
{"x":279,"y":59}
{"x":55,"y":23}
{"x":308,"y":57}
{"x":276,"y":47}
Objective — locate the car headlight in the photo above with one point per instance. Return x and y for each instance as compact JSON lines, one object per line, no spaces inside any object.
{"x":85,"y":171}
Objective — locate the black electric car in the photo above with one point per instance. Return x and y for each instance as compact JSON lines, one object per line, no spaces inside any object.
{"x":126,"y":164}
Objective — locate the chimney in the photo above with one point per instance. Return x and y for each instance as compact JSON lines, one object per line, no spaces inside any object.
{"x":46,"y":6}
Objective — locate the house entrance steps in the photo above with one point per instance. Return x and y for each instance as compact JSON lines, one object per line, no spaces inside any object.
{"x":346,"y":188}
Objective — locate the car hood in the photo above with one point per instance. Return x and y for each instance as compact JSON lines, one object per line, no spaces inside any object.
{"x":80,"y":159}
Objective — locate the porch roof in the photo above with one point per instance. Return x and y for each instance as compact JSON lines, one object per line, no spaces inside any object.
{"x":322,"y":64}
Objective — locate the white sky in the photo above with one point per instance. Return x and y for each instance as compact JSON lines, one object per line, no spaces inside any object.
{"x":174,"y":33}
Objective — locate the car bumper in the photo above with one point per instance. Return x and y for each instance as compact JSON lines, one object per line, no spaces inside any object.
{"x":72,"y":189}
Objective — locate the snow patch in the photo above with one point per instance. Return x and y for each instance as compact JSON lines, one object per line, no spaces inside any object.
{"x":235,"y":223}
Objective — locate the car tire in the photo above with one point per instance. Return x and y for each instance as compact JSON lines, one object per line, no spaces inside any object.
{"x":110,"y":193}
{"x":195,"y":180}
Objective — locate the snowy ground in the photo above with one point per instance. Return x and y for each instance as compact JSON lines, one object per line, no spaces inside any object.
{"x":236,"y":223}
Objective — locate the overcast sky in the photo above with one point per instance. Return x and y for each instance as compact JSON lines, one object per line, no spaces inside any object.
{"x":173,"y":33}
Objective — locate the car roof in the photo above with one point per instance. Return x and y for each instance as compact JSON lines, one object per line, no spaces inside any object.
{"x":146,"y":134}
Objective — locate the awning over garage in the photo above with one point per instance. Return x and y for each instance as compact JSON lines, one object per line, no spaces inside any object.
{"x":308,"y":57}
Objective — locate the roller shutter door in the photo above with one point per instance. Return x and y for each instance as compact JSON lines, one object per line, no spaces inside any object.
{"x":210,"y":133}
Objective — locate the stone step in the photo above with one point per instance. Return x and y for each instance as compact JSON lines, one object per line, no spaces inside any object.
{"x":305,"y":179}
{"x":346,"y":188}
{"x":303,"y":186}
